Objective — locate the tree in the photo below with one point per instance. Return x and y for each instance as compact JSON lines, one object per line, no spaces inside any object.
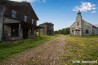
{"x":64,"y":31}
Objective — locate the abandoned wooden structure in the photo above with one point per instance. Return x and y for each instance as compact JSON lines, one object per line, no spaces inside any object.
{"x":48,"y":28}
{"x":81,"y":27}
{"x":17,"y":21}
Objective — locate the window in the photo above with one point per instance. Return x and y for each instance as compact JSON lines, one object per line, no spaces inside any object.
{"x":78,"y":23}
{"x":14,"y":31}
{"x":13,"y":14}
{"x":87,"y":31}
{"x":25,"y":18}
{"x":32,"y":21}
{"x":72,"y":30}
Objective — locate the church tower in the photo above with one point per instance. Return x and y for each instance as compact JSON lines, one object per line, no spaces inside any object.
{"x":79,"y":19}
{"x":79,"y":22}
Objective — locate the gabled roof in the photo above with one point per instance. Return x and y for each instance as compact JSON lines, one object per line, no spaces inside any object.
{"x":90,"y":24}
{"x":21,"y":5}
{"x":72,"y":24}
{"x":46,"y":23}
{"x":86,"y":22}
{"x":33,"y":10}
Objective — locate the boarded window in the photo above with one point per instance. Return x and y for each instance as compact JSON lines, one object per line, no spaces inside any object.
{"x":25,"y":18}
{"x":13,"y":14}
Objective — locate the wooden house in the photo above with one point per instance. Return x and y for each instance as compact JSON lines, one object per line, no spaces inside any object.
{"x":47,"y":28}
{"x":18,"y":21}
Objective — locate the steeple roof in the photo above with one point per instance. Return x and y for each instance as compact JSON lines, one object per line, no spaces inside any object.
{"x":79,"y":12}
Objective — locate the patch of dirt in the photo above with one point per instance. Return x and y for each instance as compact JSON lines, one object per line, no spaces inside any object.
{"x":46,"y":54}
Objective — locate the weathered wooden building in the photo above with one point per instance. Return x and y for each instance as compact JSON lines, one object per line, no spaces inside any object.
{"x":81,"y":27}
{"x":17,"y":21}
{"x":47,"y":28}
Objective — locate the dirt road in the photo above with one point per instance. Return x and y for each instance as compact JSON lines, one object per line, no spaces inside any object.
{"x":46,"y":54}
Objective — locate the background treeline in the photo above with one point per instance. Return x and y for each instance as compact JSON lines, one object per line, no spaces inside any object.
{"x":64,"y":31}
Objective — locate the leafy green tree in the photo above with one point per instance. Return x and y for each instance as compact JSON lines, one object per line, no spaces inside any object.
{"x":64,"y":31}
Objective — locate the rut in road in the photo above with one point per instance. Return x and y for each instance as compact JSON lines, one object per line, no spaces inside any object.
{"x":46,"y":54}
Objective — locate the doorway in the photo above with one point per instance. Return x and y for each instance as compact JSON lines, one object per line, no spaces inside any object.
{"x":25,"y":33}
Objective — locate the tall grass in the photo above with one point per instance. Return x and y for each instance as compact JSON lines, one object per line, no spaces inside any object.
{"x":9,"y":48}
{"x":80,"y":48}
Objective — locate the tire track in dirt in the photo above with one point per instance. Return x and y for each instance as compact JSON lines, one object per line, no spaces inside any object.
{"x":46,"y":54}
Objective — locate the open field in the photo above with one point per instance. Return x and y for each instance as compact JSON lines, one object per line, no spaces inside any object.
{"x":10,"y":48}
{"x":51,"y":50}
{"x":79,"y":49}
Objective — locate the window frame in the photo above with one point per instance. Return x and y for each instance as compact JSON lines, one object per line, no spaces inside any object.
{"x":14,"y":12}
{"x":32,"y":21}
{"x":25,"y":18}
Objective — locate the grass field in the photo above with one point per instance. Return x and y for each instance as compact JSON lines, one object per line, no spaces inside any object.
{"x":79,"y":49}
{"x":10,"y":48}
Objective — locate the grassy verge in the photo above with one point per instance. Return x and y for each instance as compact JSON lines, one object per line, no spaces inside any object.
{"x":79,"y":49}
{"x":9,"y":48}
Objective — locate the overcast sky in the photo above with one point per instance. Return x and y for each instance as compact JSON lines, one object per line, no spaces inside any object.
{"x":62,"y":13}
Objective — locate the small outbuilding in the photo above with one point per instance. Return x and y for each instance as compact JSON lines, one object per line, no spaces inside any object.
{"x":47,"y":28}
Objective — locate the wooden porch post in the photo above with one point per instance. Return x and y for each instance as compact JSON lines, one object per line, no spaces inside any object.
{"x":20,"y":32}
{"x":39,"y":31}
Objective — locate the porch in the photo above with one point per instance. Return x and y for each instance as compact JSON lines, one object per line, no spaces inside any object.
{"x":16,"y":30}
